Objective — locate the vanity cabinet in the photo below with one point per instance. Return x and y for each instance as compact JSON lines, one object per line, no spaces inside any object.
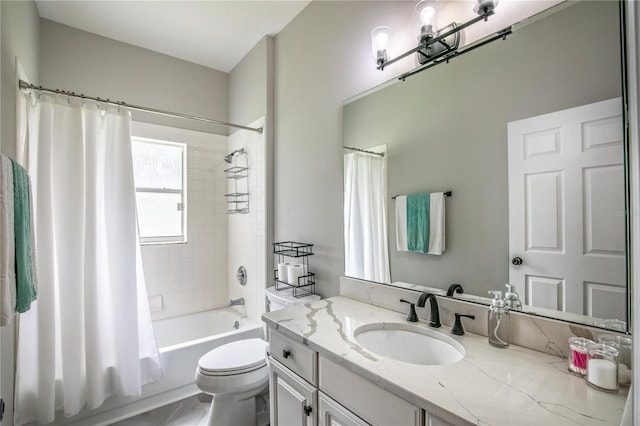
{"x":308,"y":389}
{"x":293,"y":400}
{"x":331,"y":413}
{"x":366,"y":400}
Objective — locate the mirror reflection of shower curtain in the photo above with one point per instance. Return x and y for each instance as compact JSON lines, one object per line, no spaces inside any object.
{"x":365,"y":217}
{"x":89,"y":335}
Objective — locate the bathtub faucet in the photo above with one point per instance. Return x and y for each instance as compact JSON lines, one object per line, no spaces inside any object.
{"x":234,"y":302}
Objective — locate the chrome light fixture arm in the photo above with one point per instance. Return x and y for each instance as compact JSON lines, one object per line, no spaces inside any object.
{"x":502,"y":34}
{"x":440,"y":38}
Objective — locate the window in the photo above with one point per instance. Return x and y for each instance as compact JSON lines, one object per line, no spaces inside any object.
{"x":159,"y":174}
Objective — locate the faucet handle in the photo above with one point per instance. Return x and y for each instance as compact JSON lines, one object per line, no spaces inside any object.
{"x":412,"y":316}
{"x":457,"y":328}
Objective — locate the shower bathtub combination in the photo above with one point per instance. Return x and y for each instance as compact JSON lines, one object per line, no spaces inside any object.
{"x":182,"y":341}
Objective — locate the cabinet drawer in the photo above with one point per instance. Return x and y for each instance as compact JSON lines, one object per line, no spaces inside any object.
{"x":295,"y":356}
{"x":368,"y":401}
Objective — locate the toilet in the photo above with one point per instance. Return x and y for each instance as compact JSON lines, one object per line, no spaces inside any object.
{"x":235,"y":373}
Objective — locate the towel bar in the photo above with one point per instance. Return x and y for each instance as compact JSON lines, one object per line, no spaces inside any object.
{"x":446,"y":194}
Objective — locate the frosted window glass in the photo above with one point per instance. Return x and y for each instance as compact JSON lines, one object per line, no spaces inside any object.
{"x":159,"y":214}
{"x":157,"y":165}
{"x":158,"y":169}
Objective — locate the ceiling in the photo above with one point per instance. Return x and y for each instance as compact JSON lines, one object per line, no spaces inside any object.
{"x":213,"y":33}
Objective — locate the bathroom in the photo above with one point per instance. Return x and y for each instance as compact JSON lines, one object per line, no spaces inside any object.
{"x":275,"y":80}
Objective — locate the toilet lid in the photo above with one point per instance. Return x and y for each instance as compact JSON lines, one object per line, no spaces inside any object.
{"x":286,"y":297}
{"x":235,"y":357}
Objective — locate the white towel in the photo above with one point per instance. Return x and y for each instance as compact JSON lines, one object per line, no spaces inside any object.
{"x":436,"y":223}
{"x":401,"y":223}
{"x":437,"y":240}
{"x":7,"y":244}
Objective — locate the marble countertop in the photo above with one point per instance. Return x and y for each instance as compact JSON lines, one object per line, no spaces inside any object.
{"x":493,"y":386}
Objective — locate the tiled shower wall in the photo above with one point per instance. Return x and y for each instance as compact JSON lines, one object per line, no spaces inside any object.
{"x":247,"y":232}
{"x":192,"y":276}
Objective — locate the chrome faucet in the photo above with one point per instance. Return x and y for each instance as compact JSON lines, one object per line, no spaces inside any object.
{"x":235,"y":302}
{"x":434,"y":311}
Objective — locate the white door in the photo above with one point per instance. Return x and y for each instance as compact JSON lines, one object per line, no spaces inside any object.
{"x":567,"y":210}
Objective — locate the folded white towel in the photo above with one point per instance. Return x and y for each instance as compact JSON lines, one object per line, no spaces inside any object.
{"x":7,"y":244}
{"x":436,"y":224}
{"x":401,"y":223}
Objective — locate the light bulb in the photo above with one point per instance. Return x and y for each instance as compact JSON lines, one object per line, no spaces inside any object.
{"x":380,"y":42}
{"x":427,"y":10}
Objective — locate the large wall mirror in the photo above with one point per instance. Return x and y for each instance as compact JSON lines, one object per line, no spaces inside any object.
{"x":527,"y":134}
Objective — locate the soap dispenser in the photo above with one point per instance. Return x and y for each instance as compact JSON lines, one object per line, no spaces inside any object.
{"x":511,"y":298}
{"x":498,"y":321}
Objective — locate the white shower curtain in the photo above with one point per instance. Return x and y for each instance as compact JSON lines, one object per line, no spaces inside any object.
{"x":365,"y":217}
{"x":89,"y":335}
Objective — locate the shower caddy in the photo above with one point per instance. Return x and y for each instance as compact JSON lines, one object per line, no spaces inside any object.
{"x":238,"y":202}
{"x":306,"y":284}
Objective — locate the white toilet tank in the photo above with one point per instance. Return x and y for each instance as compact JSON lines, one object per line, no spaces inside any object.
{"x":280,"y":299}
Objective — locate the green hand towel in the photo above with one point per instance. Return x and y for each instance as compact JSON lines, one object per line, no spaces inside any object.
{"x":418,"y":208}
{"x":25,"y":288}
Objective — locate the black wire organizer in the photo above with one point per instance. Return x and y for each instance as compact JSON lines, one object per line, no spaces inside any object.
{"x":305,"y":284}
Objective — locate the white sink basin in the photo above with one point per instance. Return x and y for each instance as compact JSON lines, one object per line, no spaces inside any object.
{"x":409,"y":343}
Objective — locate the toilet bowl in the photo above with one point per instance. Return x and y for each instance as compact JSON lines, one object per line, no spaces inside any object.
{"x":235,"y":373}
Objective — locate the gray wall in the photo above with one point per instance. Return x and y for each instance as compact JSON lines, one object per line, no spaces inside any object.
{"x":82,"y":62}
{"x":19,"y":29}
{"x":20,"y":32}
{"x":248,"y":84}
{"x":321,"y":58}
{"x":446,"y":129}
{"x":251,"y":85}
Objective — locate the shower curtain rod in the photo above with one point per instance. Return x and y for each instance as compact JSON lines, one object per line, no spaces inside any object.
{"x":381,"y":154}
{"x":23,"y":85}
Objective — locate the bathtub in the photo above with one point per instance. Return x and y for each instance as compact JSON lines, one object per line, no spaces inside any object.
{"x":181,"y":341}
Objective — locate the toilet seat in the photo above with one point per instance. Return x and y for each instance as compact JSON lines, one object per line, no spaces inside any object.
{"x":239,"y":357}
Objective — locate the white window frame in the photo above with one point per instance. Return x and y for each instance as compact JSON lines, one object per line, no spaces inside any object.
{"x":173,"y":239}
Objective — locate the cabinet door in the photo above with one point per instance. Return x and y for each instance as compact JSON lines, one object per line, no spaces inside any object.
{"x":293,"y":401}
{"x":330,"y":413}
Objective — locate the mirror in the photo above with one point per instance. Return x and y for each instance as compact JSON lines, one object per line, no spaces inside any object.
{"x":448,"y":129}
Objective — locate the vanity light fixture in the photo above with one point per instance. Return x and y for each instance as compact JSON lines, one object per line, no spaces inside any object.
{"x":434,"y":45}
{"x":380,"y":43}
{"x":428,"y":12}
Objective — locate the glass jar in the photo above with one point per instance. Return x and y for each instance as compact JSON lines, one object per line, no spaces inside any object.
{"x":578,"y":361}
{"x":624,"y":346}
{"x":602,"y":367}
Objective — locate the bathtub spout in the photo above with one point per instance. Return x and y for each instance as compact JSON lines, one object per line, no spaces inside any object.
{"x":235,"y":302}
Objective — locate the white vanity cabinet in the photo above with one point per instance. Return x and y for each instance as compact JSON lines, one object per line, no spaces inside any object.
{"x":331,"y":413}
{"x":293,"y":400}
{"x":309,"y":389}
{"x":369,"y":402}
{"x":293,"y":382}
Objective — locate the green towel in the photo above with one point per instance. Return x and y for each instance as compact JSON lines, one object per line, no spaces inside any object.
{"x":418,"y":208}
{"x":25,"y":285}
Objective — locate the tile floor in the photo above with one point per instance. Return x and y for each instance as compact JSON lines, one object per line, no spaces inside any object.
{"x":188,"y":412}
